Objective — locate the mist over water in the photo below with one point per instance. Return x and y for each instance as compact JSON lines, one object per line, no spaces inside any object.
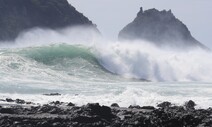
{"x":78,"y":61}
{"x":144,"y":61}
{"x":131,"y":59}
{"x":39,"y":37}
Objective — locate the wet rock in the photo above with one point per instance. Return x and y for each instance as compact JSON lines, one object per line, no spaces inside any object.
{"x":95,"y":115}
{"x":206,"y":122}
{"x":190,"y":120}
{"x":115,"y":105}
{"x":86,"y":119}
{"x":28,"y":103}
{"x":70,"y":104}
{"x":102,"y":111}
{"x":9,"y":100}
{"x":45,"y":124}
{"x":16,"y":123}
{"x":2,"y":121}
{"x":56,"y":103}
{"x":164,"y":104}
{"x":134,"y":106}
{"x":45,"y":109}
{"x":52,"y":94}
{"x":7,"y":110}
{"x":56,"y":124}
{"x":19,"y":101}
{"x":148,"y":107}
{"x":190,"y":104}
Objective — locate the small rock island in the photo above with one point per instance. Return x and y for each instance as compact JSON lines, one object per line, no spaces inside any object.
{"x":17,"y":16}
{"x":161,"y":28}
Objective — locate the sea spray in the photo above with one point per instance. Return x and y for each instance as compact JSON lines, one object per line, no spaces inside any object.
{"x":125,"y":94}
{"x":130,"y":59}
{"x":145,"y":61}
{"x":98,"y":70}
{"x":40,"y":37}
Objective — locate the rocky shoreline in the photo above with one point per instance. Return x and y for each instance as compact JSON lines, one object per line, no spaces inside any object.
{"x":60,"y":114}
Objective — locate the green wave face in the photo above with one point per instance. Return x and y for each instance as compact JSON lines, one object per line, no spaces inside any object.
{"x":59,"y":62}
{"x":54,"y":54}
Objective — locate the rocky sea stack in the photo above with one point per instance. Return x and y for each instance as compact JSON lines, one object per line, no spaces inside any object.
{"x":17,"y":16}
{"x":161,"y":28}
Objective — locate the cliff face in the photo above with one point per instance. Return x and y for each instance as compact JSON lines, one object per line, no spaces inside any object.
{"x":19,"y":15}
{"x":160,"y":28}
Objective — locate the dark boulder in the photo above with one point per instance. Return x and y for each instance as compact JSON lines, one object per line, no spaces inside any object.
{"x":164,"y":104}
{"x":49,"y":109}
{"x":190,"y":120}
{"x":190,"y":104}
{"x":56,"y":103}
{"x":53,"y":94}
{"x":70,"y":104}
{"x":9,"y":100}
{"x":28,"y":103}
{"x":134,"y":106}
{"x":161,"y":28}
{"x":7,"y":110}
{"x":102,"y":111}
{"x":86,"y":119}
{"x":17,"y":16}
{"x":19,"y":101}
{"x":148,"y":107}
{"x":115,"y":105}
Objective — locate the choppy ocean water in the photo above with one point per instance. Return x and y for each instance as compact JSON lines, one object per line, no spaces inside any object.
{"x":128,"y":73}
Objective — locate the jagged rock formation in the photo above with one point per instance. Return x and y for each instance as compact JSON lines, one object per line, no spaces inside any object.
{"x":159,"y":27}
{"x":19,"y":15}
{"x":61,"y":114}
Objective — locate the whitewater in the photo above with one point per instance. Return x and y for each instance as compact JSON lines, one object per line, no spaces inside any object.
{"x":84,"y":67}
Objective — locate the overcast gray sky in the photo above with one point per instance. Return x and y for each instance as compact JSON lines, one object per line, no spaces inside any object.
{"x":112,"y":15}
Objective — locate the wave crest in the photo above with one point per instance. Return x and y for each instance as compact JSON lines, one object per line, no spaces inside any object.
{"x":100,"y":62}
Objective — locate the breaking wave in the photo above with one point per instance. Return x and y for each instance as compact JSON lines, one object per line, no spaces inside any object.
{"x":129,"y":60}
{"x":80,"y":53}
{"x":87,"y":68}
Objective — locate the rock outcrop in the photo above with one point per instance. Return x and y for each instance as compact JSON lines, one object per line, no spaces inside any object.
{"x":59,"y":114}
{"x":17,"y":16}
{"x":161,"y":28}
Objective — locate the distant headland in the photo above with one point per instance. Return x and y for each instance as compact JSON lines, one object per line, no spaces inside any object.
{"x":160,"y":28}
{"x":17,"y":16}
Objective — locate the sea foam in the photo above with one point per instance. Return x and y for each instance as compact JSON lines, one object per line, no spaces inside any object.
{"x":89,"y":68}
